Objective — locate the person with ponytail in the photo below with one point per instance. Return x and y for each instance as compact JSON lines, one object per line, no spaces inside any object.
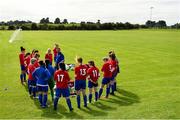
{"x":22,"y":65}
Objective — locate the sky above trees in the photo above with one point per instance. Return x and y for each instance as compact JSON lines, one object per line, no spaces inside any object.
{"x":134,"y":11}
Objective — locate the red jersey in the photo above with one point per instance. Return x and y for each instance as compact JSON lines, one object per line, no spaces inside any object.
{"x":93,"y":73}
{"x":55,"y":52}
{"x":27,"y":60}
{"x":114,"y":65}
{"x":48,"y":57}
{"x":106,"y":68}
{"x":36,"y":64}
{"x":32,"y":55}
{"x":62,"y":78}
{"x":81,"y":72}
{"x":21,"y":58}
{"x":31,"y":69}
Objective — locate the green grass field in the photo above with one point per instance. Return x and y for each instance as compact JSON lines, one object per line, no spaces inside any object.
{"x":148,"y":85}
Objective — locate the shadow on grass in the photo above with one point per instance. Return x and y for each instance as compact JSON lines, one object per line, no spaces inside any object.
{"x":61,"y":112}
{"x":126,"y":98}
{"x":103,"y":106}
{"x":122,"y":98}
{"x":26,"y":87}
{"x":93,"y":112}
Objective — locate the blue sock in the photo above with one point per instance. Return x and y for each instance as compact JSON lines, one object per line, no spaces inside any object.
{"x":112,"y":87}
{"x":96,"y":96}
{"x":34,"y":91}
{"x":107,"y":91}
{"x":90,"y":98}
{"x":68,"y":101}
{"x":45,"y":100}
{"x":115,"y":87}
{"x":29,"y":87}
{"x":40,"y":99}
{"x":85,"y":100}
{"x":100,"y":92}
{"x":55,"y":102}
{"x":30,"y":90}
{"x":78,"y":100}
{"x":24,"y":75}
{"x":21,"y":77}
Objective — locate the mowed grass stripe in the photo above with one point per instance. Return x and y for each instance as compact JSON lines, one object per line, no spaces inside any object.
{"x":148,"y":82}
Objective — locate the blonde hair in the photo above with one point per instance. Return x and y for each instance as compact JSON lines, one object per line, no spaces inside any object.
{"x":48,"y":50}
{"x":56,"y":45}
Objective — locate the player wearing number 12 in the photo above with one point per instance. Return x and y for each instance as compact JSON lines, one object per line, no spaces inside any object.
{"x":80,"y":81}
{"x":62,"y":78}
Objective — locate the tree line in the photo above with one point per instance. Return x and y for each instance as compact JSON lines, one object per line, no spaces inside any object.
{"x":46,"y":24}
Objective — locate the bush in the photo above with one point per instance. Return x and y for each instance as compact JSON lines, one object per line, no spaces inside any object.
{"x":34,"y":26}
{"x":11,"y":27}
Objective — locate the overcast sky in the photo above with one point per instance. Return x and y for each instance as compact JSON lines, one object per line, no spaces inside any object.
{"x":134,"y":11}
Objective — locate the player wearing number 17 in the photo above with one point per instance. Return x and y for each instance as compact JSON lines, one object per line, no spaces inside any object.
{"x":62,"y":78}
{"x":80,"y":81}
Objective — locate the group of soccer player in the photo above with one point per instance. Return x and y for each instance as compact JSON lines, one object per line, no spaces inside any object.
{"x":42,"y":75}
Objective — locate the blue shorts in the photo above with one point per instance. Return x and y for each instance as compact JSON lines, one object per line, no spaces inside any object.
{"x":80,"y":84}
{"x":105,"y":80}
{"x":31,"y":83}
{"x":23,"y":68}
{"x":91,"y":84}
{"x":42,"y":88}
{"x":64,"y":92}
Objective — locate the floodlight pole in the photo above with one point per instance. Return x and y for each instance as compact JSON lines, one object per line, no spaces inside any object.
{"x":151,"y":12}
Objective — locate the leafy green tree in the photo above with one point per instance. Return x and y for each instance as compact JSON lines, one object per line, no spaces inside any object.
{"x":150,"y":24}
{"x":43,"y":27}
{"x":11,"y":27}
{"x":47,"y":20}
{"x":65,"y":21}
{"x":161,"y":24}
{"x":42,"y":21}
{"x":57,"y":21}
{"x":34,"y":26}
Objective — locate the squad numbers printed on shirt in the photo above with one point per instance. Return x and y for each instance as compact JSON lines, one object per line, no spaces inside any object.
{"x":60,"y":78}
{"x":83,"y":72}
{"x":110,"y":67}
{"x":95,"y":74}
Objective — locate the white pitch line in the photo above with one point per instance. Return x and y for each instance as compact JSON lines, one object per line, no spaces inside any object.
{"x":14,"y":35}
